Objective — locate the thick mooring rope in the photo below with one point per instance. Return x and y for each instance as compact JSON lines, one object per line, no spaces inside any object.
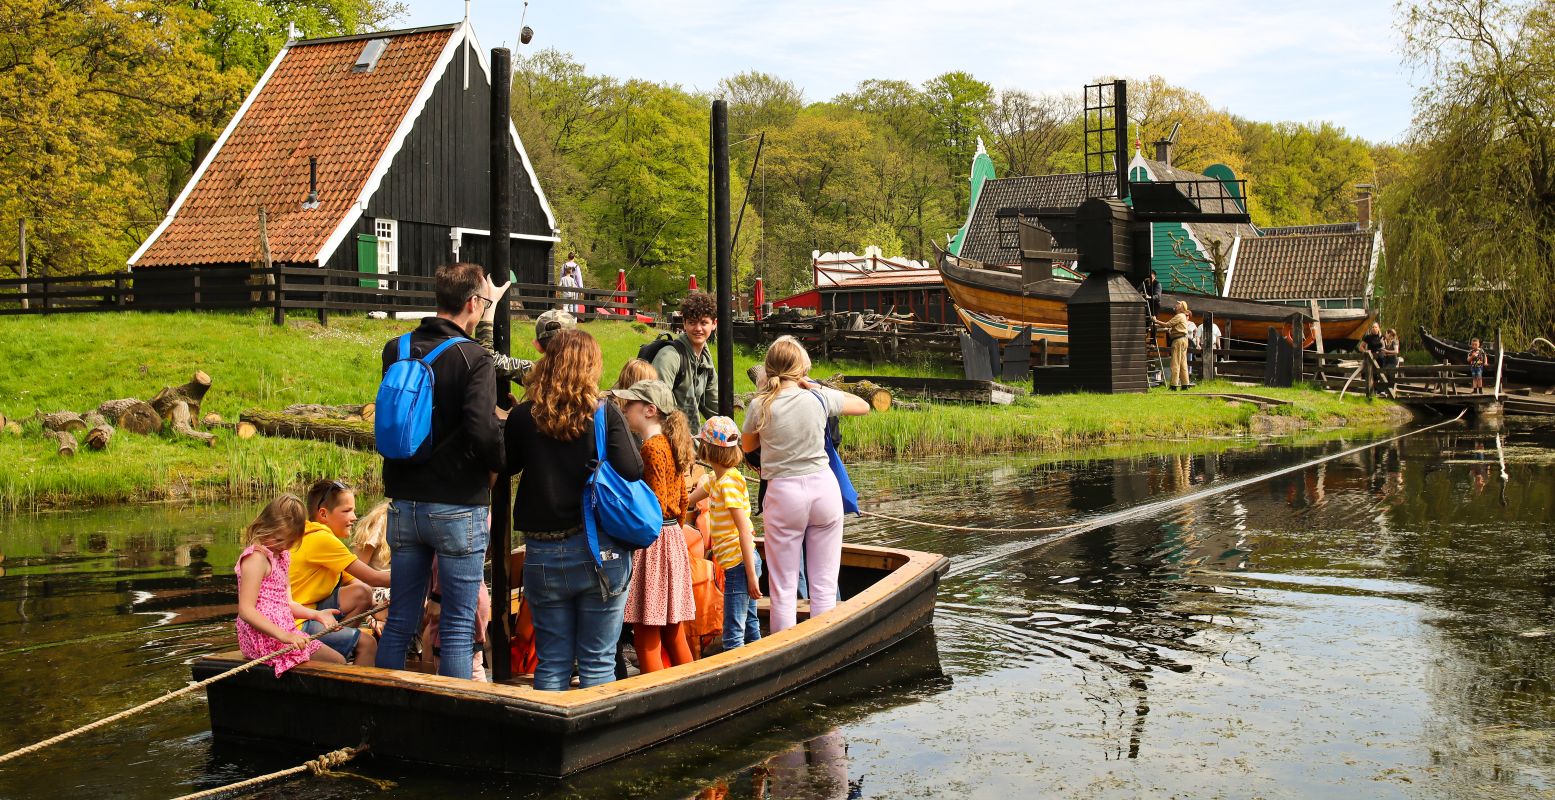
{"x":92,"y":726}
{"x":317,"y":766}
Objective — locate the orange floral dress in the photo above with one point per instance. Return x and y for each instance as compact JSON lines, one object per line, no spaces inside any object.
{"x":660,"y":591}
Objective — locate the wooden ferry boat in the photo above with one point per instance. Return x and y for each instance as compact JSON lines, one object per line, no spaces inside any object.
{"x":887,"y":595}
{"x":992,"y":298}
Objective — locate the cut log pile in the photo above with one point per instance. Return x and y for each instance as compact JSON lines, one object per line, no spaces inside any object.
{"x":175,"y":408}
{"x":878,"y":397}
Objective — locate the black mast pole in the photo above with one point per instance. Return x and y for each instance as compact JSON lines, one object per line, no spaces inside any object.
{"x":498,"y":267}
{"x":1120,"y":139}
{"x":725,"y":258}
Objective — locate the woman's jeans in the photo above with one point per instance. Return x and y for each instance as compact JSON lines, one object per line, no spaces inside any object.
{"x":741,"y":625}
{"x":577,"y":607}
{"x":457,"y":536}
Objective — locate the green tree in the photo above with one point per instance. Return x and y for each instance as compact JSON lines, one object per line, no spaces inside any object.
{"x":1305,"y":173}
{"x":1471,"y":221}
{"x":760,"y":102}
{"x":1207,"y":136}
{"x":958,"y":104}
{"x":1032,"y":134}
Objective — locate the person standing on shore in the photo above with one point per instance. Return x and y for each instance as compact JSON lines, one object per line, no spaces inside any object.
{"x":1177,"y":331}
{"x":803,"y":504}
{"x":572,"y":278}
{"x":440,"y":497}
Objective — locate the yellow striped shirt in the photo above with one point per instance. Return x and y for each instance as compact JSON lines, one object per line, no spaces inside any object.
{"x":727,"y":492}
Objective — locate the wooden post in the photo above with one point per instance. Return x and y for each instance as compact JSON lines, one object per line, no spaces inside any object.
{"x":21,"y":245}
{"x":120,"y":290}
{"x":1042,"y":352}
{"x":724,"y":251}
{"x":498,"y":265}
{"x":1207,"y":347}
{"x":1298,"y":335}
{"x":277,"y":286}
{"x":1500,"y":357}
{"x":280,"y":296}
{"x":324,"y":299}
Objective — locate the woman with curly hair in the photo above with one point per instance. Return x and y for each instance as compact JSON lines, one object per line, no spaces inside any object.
{"x":577,"y":599}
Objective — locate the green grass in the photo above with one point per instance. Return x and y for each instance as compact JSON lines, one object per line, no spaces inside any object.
{"x":76,"y":361}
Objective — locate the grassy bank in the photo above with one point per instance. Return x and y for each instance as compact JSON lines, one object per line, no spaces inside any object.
{"x":76,"y":361}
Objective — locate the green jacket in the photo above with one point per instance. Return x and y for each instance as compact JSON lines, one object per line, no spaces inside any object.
{"x":697,"y":394}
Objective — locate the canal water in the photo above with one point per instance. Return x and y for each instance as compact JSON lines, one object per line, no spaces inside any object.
{"x":1377,"y":626}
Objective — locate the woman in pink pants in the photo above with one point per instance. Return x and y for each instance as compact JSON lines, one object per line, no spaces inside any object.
{"x":803,"y":505}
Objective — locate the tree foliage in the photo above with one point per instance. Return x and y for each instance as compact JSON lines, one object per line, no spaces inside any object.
{"x":1471,"y":219}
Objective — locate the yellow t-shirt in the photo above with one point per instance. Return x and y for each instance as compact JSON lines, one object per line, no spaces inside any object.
{"x":319,"y":561}
{"x":727,"y":492}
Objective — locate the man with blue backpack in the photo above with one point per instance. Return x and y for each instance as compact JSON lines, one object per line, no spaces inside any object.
{"x":441,"y":438}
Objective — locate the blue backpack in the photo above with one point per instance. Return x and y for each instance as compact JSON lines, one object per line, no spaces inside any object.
{"x":616,"y":510}
{"x":831,"y":433}
{"x":403,"y":425}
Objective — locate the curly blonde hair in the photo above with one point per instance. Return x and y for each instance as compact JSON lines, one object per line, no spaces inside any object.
{"x":564,"y":385}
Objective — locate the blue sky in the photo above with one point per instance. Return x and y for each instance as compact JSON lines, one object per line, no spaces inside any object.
{"x":1314,"y":60}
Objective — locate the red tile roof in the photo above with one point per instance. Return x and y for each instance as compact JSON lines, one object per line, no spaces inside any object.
{"x":313,"y":104}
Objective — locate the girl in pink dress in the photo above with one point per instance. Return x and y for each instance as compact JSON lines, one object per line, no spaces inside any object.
{"x":267,"y":617}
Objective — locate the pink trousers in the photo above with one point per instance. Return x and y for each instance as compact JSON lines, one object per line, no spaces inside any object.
{"x":803,"y":525}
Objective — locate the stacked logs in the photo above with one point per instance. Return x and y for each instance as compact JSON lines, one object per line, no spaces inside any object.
{"x":175,"y":407}
{"x":349,"y":425}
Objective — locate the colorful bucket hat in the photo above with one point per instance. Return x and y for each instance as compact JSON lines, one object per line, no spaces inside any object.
{"x":720,"y":432}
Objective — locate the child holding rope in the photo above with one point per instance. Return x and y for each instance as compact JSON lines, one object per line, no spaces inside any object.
{"x":734,"y":546}
{"x":659,"y":598}
{"x":266,"y":613}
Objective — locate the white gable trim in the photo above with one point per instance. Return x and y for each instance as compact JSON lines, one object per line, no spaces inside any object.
{"x":386,"y":158}
{"x":1139,"y":162}
{"x":1371,"y":272}
{"x":523,"y":155}
{"x":209,"y":157}
{"x":1236,"y":247}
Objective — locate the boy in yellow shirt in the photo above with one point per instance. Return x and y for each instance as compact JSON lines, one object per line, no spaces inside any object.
{"x":326,"y":574}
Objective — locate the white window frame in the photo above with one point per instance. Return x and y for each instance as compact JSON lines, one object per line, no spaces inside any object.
{"x":388,"y":233}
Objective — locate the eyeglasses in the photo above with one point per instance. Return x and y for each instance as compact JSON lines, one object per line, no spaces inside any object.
{"x":329,"y":492}
{"x":489,"y":302}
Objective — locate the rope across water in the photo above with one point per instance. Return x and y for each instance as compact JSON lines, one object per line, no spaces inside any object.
{"x":92,"y":726}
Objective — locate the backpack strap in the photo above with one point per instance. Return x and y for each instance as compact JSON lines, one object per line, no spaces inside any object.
{"x":600,"y":421}
{"x":436,"y":351}
{"x":404,"y":347}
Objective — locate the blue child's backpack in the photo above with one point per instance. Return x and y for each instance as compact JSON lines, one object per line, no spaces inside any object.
{"x":615,"y":508}
{"x":403,"y":424}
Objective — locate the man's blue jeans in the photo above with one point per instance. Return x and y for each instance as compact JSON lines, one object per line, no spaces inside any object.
{"x":577,"y":608}
{"x":741,"y":625}
{"x":457,"y":536}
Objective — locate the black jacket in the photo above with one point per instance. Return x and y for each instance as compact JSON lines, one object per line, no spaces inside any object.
{"x":553,"y":472}
{"x":466,"y":435}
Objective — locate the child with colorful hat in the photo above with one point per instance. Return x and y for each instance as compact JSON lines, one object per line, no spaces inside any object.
{"x":734,"y":546}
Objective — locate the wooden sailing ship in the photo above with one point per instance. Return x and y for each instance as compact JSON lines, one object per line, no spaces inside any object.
{"x":887,"y":595}
{"x":1519,"y":367}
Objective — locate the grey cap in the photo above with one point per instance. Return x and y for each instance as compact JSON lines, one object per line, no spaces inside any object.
{"x":655,"y":392}
{"x":552,"y":321}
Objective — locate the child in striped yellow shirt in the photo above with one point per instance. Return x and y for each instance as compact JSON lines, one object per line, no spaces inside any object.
{"x":734,"y":547}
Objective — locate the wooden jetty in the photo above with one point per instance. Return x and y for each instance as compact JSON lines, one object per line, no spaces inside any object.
{"x":888,"y":595}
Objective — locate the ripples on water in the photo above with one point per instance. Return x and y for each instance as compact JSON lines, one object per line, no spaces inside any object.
{"x":1380,"y":625}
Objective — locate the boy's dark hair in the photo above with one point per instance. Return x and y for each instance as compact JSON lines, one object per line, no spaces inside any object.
{"x":698,"y":305}
{"x":323,"y":493}
{"x":456,"y":284}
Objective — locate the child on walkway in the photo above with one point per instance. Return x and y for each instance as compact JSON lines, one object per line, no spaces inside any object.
{"x":734,"y":547}
{"x":267,"y":616}
{"x":1477,"y":361}
{"x":327,"y":575}
{"x":659,"y":598}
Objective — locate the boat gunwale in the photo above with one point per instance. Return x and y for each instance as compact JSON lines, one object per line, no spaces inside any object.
{"x":574,"y":706}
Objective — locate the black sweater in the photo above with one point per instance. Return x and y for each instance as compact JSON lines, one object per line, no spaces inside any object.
{"x":553,"y":473}
{"x":466,"y":435}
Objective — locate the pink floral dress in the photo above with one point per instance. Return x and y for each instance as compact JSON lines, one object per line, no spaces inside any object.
{"x":275,"y":597}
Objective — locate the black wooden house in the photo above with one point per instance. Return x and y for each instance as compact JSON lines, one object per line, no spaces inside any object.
{"x":367,"y":153}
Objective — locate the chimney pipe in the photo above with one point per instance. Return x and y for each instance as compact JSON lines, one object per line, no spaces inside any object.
{"x":1363,"y":205}
{"x":313,"y":184}
{"x":1163,"y":151}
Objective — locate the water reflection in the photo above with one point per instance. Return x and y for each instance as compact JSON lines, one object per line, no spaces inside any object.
{"x":1379,"y":625}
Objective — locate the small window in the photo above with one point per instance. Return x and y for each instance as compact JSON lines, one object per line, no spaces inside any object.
{"x":370,"y":54}
{"x":387,"y":231}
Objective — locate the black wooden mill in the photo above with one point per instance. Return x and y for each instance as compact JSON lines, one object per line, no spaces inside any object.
{"x":1109,"y":324}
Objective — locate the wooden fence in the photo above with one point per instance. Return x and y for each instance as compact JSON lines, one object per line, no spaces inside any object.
{"x":279,"y":289}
